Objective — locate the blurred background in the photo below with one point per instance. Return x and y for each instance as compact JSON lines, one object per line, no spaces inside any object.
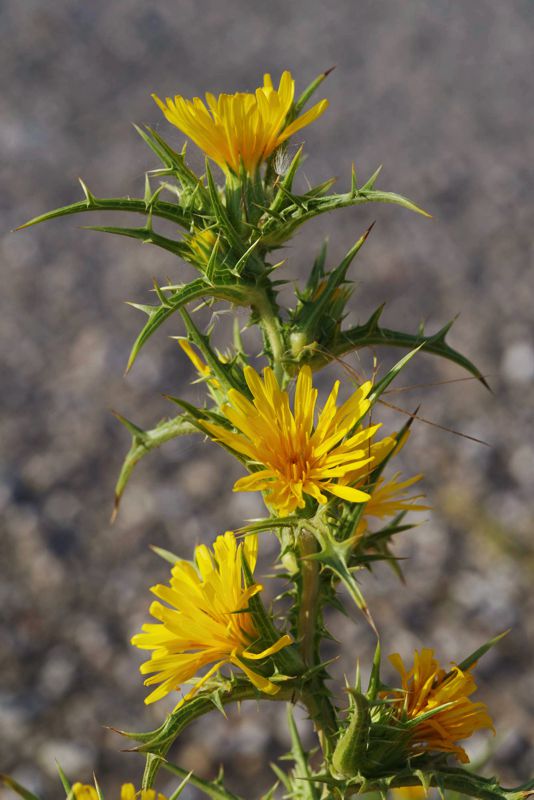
{"x":441,"y":93}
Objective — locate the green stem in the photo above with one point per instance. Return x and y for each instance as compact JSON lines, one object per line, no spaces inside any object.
{"x":265,"y":306}
{"x":157,"y":748}
{"x":143,"y":444}
{"x":314,"y":694}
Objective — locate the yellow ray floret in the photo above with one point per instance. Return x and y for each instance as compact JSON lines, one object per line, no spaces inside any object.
{"x":206,"y":621}
{"x":427,"y":686}
{"x":296,"y":456}
{"x":84,"y":791}
{"x":388,"y":498}
{"x":242,"y":128}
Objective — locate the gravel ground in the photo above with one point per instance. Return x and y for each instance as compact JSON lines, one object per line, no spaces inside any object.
{"x":440,"y":93}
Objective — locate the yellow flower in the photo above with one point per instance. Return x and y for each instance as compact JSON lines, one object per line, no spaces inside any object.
{"x":388,"y":498}
{"x":297,"y":458}
{"x":87,"y":792}
{"x":409,"y":793}
{"x":207,"y":621}
{"x":201,"y":243}
{"x":427,"y":686}
{"x":201,"y":367}
{"x":242,"y":128}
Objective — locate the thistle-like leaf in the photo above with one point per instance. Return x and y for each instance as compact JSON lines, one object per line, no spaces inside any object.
{"x":144,"y":442}
{"x":477,"y":654}
{"x":211,"y":789}
{"x":169,"y":211}
{"x":146,"y":235}
{"x":370,"y":334}
{"x":307,"y":790}
{"x":192,"y":291}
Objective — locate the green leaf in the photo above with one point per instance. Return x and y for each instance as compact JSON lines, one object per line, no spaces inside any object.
{"x":477,"y":654}
{"x":314,"y":311}
{"x":144,"y":442}
{"x":300,"y":209}
{"x":145,"y":235}
{"x":335,"y":556}
{"x":12,"y":784}
{"x":374,"y":678}
{"x":161,"y":209}
{"x":166,"y":555}
{"x":64,"y":780}
{"x":309,"y":91}
{"x":221,"y":214}
{"x":197,"y":288}
{"x":211,"y":789}
{"x":287,"y":658}
{"x":227,"y":376}
{"x":383,"y":384}
{"x":179,"y":789}
{"x":301,"y":758}
{"x":97,"y":787}
{"x":261,"y":525}
{"x":371,"y":335}
{"x":175,"y":162}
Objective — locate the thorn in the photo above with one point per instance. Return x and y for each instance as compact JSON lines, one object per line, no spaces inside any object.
{"x":113,"y":517}
{"x":368,"y":231}
{"x":88,"y":195}
{"x":327,"y":72}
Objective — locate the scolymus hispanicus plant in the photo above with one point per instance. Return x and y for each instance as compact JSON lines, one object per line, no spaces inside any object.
{"x":332,"y":498}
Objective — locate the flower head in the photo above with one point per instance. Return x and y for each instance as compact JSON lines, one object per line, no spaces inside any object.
{"x":426,"y":686}
{"x":207,"y":620}
{"x":83,"y":791}
{"x":388,"y":498}
{"x":297,"y":457}
{"x":242,"y":128}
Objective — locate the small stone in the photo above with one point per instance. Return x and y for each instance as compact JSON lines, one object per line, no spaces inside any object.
{"x":518,"y":362}
{"x":75,"y":759}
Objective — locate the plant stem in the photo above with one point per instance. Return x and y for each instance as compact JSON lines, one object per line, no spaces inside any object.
{"x":314,"y":695}
{"x":265,"y":306}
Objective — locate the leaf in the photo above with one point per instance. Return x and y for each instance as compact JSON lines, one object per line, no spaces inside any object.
{"x":309,"y":91}
{"x":314,"y":311}
{"x":166,"y":555}
{"x":174,"y":162}
{"x":335,"y":556}
{"x":477,"y":654}
{"x":161,"y":209}
{"x":221,"y":214}
{"x":287,"y":658}
{"x":383,"y":384}
{"x":374,"y":678}
{"x":302,"y":208}
{"x":261,"y":525}
{"x":178,"y":791}
{"x":17,"y":787}
{"x":197,"y":288}
{"x":224,"y":372}
{"x":97,"y":787}
{"x":145,"y":235}
{"x":301,"y":759}
{"x":210,"y":788}
{"x":371,"y":334}
{"x":142,"y":443}
{"x":64,"y":780}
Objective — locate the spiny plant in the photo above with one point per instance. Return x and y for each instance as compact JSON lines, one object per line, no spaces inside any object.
{"x":330,"y":499}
